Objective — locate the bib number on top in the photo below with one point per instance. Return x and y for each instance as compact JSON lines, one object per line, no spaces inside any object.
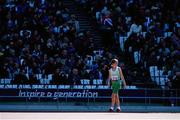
{"x":114,"y":77}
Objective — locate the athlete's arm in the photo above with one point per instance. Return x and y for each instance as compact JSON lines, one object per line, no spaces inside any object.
{"x":122,"y":77}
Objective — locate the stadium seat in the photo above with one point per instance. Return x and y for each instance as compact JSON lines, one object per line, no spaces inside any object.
{"x":137,"y":57}
{"x":61,"y":87}
{"x":78,"y":86}
{"x":143,"y":34}
{"x":97,"y":82}
{"x":50,"y":77}
{"x":128,"y":19}
{"x":46,"y":80}
{"x":162,"y":81}
{"x":5,"y":81}
{"x":153,"y":72}
{"x":87,"y":87}
{"x":67,"y":86}
{"x":158,"y":39}
{"x":85,"y":81}
{"x":64,"y":87}
{"x":27,"y":75}
{"x":167,"y":34}
{"x":98,"y":15}
{"x":128,"y":34}
{"x":103,"y":87}
{"x":98,"y":52}
{"x":39,"y":76}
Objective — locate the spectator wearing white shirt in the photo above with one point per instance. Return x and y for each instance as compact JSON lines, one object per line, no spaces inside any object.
{"x":135,"y":28}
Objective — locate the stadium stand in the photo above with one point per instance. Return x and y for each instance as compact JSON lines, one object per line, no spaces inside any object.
{"x":146,"y":31}
{"x":42,"y":42}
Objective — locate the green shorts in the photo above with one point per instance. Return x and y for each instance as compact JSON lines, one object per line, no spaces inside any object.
{"x":116,"y":85}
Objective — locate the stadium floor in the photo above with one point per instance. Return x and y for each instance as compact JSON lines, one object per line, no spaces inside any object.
{"x":89,"y":116}
{"x":83,"y":107}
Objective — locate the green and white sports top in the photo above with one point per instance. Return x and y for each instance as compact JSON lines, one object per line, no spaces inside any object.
{"x":115,"y":75}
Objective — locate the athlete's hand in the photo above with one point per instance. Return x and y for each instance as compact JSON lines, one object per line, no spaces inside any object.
{"x":124,"y":86}
{"x":109,"y":85}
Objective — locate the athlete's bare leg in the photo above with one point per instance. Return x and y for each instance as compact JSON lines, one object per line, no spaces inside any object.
{"x":113,"y":100}
{"x":117,"y":100}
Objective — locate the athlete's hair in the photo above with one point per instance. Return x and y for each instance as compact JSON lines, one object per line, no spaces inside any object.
{"x":114,"y":61}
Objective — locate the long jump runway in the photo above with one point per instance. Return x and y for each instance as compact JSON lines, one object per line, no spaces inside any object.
{"x":89,"y":116}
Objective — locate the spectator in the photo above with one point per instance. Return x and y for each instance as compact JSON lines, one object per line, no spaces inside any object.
{"x":176,"y":81}
{"x":64,"y":78}
{"x":105,"y":73}
{"x":74,"y":78}
{"x":20,"y":78}
{"x":4,"y":72}
{"x":39,"y":37}
{"x":135,"y":28}
{"x":33,"y":79}
{"x":56,"y":78}
{"x":74,"y":22}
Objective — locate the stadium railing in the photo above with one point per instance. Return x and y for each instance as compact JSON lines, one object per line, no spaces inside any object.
{"x":79,"y":93}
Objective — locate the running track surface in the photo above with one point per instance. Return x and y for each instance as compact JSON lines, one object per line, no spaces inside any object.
{"x":88,"y":116}
{"x":91,"y":107}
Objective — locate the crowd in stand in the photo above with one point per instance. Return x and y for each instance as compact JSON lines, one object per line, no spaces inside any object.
{"x":42,"y":37}
{"x":131,"y":18}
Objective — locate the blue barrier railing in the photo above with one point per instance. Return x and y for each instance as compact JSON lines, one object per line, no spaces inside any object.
{"x":146,"y":96}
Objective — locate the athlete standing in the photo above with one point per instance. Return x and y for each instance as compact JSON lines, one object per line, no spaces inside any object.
{"x":117,"y":79}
